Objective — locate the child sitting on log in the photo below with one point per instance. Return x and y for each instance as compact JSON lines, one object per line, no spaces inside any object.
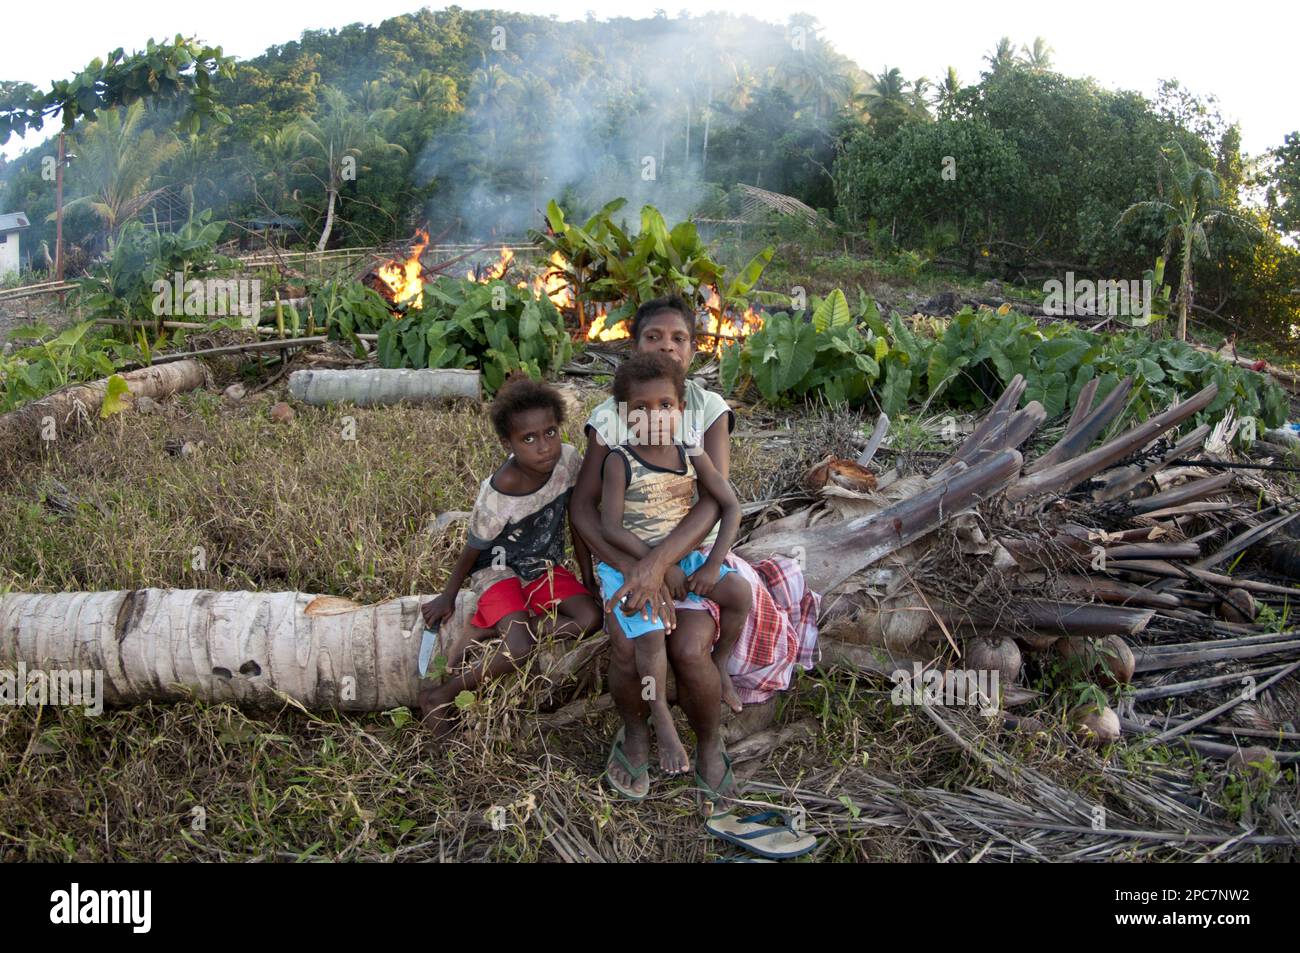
{"x":514,"y":549}
{"x":651,"y":481}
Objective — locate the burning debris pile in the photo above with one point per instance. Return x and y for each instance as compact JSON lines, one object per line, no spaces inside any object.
{"x":401,"y":283}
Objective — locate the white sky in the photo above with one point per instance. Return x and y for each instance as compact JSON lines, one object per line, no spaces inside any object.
{"x":1243,"y":55}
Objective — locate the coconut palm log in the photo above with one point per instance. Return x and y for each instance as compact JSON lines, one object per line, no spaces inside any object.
{"x":63,"y":407}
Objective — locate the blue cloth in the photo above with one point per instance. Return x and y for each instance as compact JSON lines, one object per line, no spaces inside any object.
{"x":635,"y":626}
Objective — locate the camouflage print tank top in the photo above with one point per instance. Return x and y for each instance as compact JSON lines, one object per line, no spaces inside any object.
{"x":656,"y":500}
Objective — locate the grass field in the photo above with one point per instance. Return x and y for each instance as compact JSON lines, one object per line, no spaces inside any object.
{"x":296,"y":506}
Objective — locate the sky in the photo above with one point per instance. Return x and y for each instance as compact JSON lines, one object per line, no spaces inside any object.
{"x":1245,"y":58}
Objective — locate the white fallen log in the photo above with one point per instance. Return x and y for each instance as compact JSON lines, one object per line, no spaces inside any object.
{"x":248,"y":648}
{"x":377,"y":386}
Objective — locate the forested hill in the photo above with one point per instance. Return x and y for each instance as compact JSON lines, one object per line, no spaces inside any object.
{"x":472,"y":120}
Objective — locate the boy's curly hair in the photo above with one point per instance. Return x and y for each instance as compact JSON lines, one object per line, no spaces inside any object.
{"x":642,"y":367}
{"x":520,"y":394}
{"x":657,"y":306}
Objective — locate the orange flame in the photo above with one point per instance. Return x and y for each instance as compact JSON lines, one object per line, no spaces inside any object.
{"x":717,"y":328}
{"x":495,"y":270}
{"x":405,"y":279}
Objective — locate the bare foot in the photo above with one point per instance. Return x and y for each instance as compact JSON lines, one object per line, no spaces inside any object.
{"x":673,"y":758}
{"x":437,"y":710}
{"x":729,"y":694}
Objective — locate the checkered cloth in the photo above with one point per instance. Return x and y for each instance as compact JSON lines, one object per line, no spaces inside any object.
{"x":780,"y":633}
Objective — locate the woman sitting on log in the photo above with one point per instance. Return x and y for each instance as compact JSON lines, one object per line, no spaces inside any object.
{"x":781,"y":630}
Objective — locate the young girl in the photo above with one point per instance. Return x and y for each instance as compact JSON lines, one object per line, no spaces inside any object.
{"x":651,"y":482}
{"x":514,"y":548}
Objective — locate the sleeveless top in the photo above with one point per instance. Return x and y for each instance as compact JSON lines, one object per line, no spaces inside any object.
{"x":656,"y":499}
{"x":703,"y":408}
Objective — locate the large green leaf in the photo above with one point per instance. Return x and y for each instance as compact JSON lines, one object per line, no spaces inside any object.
{"x":898,"y":383}
{"x":832,"y":312}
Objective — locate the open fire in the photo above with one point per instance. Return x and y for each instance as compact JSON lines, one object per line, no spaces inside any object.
{"x":405,"y":279}
{"x":403,"y":283}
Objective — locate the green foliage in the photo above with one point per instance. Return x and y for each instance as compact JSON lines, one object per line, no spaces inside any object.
{"x":53,"y":361}
{"x":795,"y":355}
{"x":460,"y":325}
{"x":348,"y":308}
{"x":181,"y":69}
{"x":1284,"y":192}
{"x":603,"y":264}
{"x":113,"y":394}
{"x":125,"y":288}
{"x":970,"y":358}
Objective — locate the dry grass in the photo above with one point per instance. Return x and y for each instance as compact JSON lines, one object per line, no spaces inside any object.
{"x":298,"y":507}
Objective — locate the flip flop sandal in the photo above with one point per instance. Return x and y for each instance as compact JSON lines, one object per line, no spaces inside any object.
{"x":637,"y":772}
{"x":754,"y":833}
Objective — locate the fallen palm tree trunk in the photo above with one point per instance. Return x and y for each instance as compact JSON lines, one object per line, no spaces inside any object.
{"x":1126,"y":480}
{"x":249,"y":648}
{"x":377,"y":387}
{"x":967,"y":567}
{"x":1209,"y":652}
{"x":1054,"y":618}
{"x":63,"y":408}
{"x":1084,"y":426}
{"x":831,"y":554}
{"x":1070,"y":473}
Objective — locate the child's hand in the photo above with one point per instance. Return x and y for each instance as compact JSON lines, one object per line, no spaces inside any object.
{"x":437,"y":609}
{"x":705,"y":578}
{"x":675,"y":580}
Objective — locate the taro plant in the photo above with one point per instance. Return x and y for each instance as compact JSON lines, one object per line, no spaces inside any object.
{"x":53,"y":361}
{"x":349,"y":308}
{"x":963,"y":360}
{"x":492,"y":326}
{"x":601,"y":263}
{"x":798,"y":355}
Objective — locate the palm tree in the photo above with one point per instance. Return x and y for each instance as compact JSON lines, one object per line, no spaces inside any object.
{"x":340,"y":133}
{"x":1039,"y":56}
{"x":1187,"y":216}
{"x":429,"y":90}
{"x":277,"y":154}
{"x":1003,"y":56}
{"x":920,"y":86}
{"x":887,"y":101}
{"x":818,"y":75}
{"x":947,"y":91}
{"x":194,"y":169}
{"x":373,"y":96}
{"x":118,"y":161}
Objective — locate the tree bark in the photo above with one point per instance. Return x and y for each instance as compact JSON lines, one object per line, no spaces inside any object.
{"x":248,"y":648}
{"x":376,"y":387}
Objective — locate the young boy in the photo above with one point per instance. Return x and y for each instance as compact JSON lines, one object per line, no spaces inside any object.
{"x":514,"y":548}
{"x":650,"y":485}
